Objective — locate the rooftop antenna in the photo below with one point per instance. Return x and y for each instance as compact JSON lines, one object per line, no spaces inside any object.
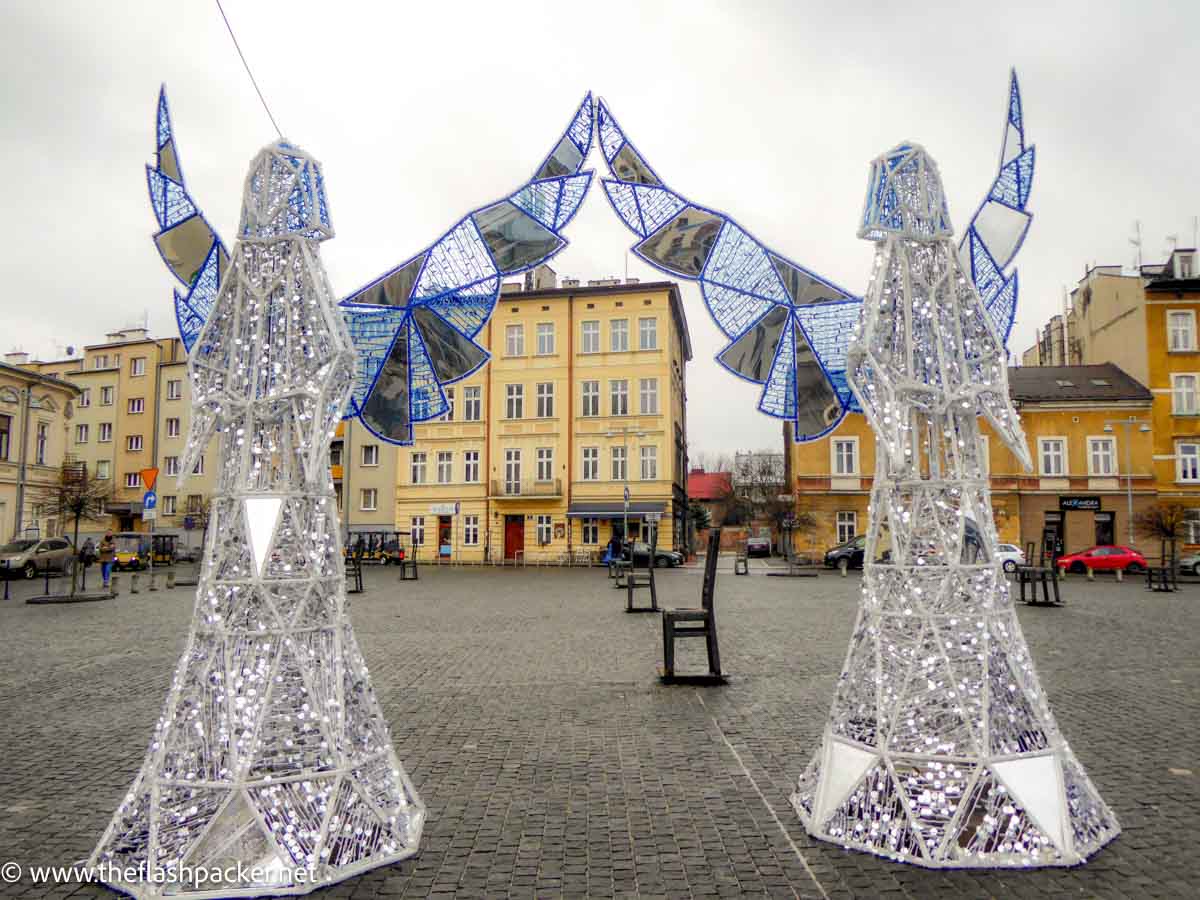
{"x":1136,"y":240}
{"x":1173,"y":239}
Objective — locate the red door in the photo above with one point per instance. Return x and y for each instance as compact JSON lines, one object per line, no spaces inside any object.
{"x":514,"y":536}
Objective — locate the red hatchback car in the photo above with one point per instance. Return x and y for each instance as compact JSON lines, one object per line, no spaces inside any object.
{"x":1104,"y":559}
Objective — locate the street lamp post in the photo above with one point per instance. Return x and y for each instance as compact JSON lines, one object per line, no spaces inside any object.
{"x":1144,"y":428}
{"x":624,"y":432}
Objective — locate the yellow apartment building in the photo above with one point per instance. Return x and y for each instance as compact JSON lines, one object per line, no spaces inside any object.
{"x":584,"y":396}
{"x":36,"y":412}
{"x":364,"y":479}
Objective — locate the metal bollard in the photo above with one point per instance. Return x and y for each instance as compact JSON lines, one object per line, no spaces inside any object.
{"x":1120,"y":575}
{"x":1091,"y":574}
{"x":170,"y":579}
{"x":153,"y":582}
{"x":113,"y":581}
{"x":133,"y":583}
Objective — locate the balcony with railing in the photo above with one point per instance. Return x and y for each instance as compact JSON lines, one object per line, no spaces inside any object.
{"x":503,"y":488}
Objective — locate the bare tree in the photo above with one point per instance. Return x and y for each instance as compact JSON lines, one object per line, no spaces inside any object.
{"x":712,"y":461}
{"x":1165,"y":522}
{"x":74,"y":495}
{"x":760,"y":492}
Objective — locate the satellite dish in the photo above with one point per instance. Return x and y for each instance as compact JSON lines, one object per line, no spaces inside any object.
{"x":70,"y":350}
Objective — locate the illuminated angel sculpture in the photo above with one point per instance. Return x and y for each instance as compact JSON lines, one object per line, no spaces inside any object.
{"x":940,"y":747}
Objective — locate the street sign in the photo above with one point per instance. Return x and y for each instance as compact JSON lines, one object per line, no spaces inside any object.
{"x":653,"y":517}
{"x":626,"y":493}
{"x":149,"y":506}
{"x":149,"y":476}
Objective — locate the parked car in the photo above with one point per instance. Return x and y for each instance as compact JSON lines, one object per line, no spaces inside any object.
{"x":759,"y":545}
{"x":1189,"y":564}
{"x":641,"y":554}
{"x":29,"y":556}
{"x":847,"y":555}
{"x":1010,"y":556}
{"x":1104,"y":559}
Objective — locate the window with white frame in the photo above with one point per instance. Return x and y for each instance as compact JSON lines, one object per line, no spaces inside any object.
{"x":132,"y":479}
{"x":471,"y":466}
{"x":543,"y":529}
{"x":173,"y":427}
{"x":103,"y":469}
{"x":105,"y":432}
{"x":370,"y":454}
{"x":85,"y":398}
{"x":619,"y":335}
{"x":1191,"y":526}
{"x":618,"y":463}
{"x":514,"y":340}
{"x":648,"y":396}
{"x":847,"y":525}
{"x":198,"y":468}
{"x":137,"y":405}
{"x":335,"y":454}
{"x":368,"y":499}
{"x":545,"y":463}
{"x":591,"y":398}
{"x":591,"y":531}
{"x":1183,"y":395}
{"x":618,"y":397}
{"x":133,"y":443}
{"x":416,"y":527}
{"x":845,"y":456}
{"x":1181,"y":330}
{"x":1052,"y":454}
{"x":545,"y":399}
{"x":81,"y":434}
{"x":106,"y":395}
{"x":417,"y":468}
{"x":448,"y":415}
{"x":545,"y":338}
{"x":648,"y":333}
{"x":591,"y":464}
{"x":1102,"y":456}
{"x":195,"y":503}
{"x":137,"y":366}
{"x":649,"y":463}
{"x":512,"y":470}
{"x":174,"y":389}
{"x":472,"y":404}
{"x":1187,"y":461}
{"x":445,"y":466}
{"x":470,"y":531}
{"x":168,"y":505}
{"x":171,"y":465}
{"x":514,"y":401}
{"x":589,"y":337}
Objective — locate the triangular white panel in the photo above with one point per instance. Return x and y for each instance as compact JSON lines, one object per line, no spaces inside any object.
{"x":1033,"y":782}
{"x":1002,"y":229}
{"x":844,"y":766}
{"x":262,"y":515}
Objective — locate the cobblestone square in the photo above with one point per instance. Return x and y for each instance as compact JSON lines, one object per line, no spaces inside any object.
{"x":526,"y":708}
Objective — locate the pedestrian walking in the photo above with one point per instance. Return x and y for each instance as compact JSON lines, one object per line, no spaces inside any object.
{"x":108,"y":554}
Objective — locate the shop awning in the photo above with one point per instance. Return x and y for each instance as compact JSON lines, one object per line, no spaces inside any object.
{"x":613,"y":509}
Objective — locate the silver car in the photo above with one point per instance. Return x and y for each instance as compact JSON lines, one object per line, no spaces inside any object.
{"x":30,"y":556}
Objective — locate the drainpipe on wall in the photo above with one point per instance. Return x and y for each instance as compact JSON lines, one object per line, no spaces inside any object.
{"x":22,"y":469}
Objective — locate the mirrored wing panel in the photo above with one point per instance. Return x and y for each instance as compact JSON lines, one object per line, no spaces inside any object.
{"x":451,"y":354}
{"x":393,"y":289}
{"x":185,"y":248}
{"x":751,"y":355}
{"x":804,"y":288}
{"x":683,"y":245}
{"x":515,"y":238}
{"x":629,"y":166}
{"x":564,"y":160}
{"x":818,"y":407}
{"x":386,"y":411}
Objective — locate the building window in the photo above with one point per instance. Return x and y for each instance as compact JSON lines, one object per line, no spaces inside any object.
{"x":512,"y":471}
{"x":470,"y":531}
{"x":545,"y":338}
{"x":618,"y":463}
{"x":445,"y":467}
{"x":133,"y":443}
{"x":591,"y":398}
{"x":847,"y":525}
{"x":471,"y":466}
{"x":619,"y":335}
{"x":105,"y":432}
{"x":1181,"y":330}
{"x":649,"y":463}
{"x":106,"y":396}
{"x":174,"y":389}
{"x":472,"y":404}
{"x":137,"y":366}
{"x":172,"y":427}
{"x":42,"y":442}
{"x":648,"y":333}
{"x":137,"y":405}
{"x":514,"y":401}
{"x":198,"y":468}
{"x":448,"y":415}
{"x":545,"y":463}
{"x":543,"y":529}
{"x":590,"y":337}
{"x":1187,"y":458}
{"x":101,"y":361}
{"x":132,"y":479}
{"x":171,"y":465}
{"x":591,"y":531}
{"x":5,"y":435}
{"x":195,"y":503}
{"x":81,"y":434}
{"x":368,"y":498}
{"x":1102,"y":456}
{"x":417,"y":529}
{"x":1191,"y":526}
{"x":845,"y":456}
{"x":514,"y":340}
{"x":591,"y":463}
{"x":648,"y":396}
{"x":545,"y":399}
{"x":619,"y":397}
{"x":103,"y":469}
{"x":418,"y":468}
{"x":370,"y":454}
{"x":168,"y":505}
{"x":1183,"y":395}
{"x":85,"y":398}
{"x":335,"y":454}
{"x":1053,"y":454}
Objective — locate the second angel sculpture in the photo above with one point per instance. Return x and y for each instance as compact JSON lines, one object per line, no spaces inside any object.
{"x":940,"y":748}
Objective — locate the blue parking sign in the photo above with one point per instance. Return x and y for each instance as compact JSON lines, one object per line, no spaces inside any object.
{"x":149,"y":500}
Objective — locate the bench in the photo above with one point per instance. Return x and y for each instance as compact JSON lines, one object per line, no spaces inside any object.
{"x":634,"y":581}
{"x":1164,"y":578}
{"x":354,"y":578}
{"x":702,"y":622}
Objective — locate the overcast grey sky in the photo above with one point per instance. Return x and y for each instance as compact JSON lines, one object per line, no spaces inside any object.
{"x":419,"y":112}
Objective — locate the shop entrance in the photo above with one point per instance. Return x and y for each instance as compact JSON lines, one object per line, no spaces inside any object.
{"x":1105,"y":533}
{"x":514,"y":536}
{"x":444,"y":532}
{"x":1052,"y":534}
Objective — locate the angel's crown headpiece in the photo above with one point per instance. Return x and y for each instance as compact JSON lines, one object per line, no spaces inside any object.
{"x":905,"y":197}
{"x":285,"y":194}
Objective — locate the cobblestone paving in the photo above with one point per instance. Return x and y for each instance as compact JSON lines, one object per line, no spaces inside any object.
{"x":525,"y":706}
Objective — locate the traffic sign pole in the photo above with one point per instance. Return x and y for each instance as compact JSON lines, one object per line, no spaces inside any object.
{"x":150,"y":505}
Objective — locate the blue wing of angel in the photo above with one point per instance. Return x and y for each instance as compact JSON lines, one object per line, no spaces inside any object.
{"x":788,"y":327}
